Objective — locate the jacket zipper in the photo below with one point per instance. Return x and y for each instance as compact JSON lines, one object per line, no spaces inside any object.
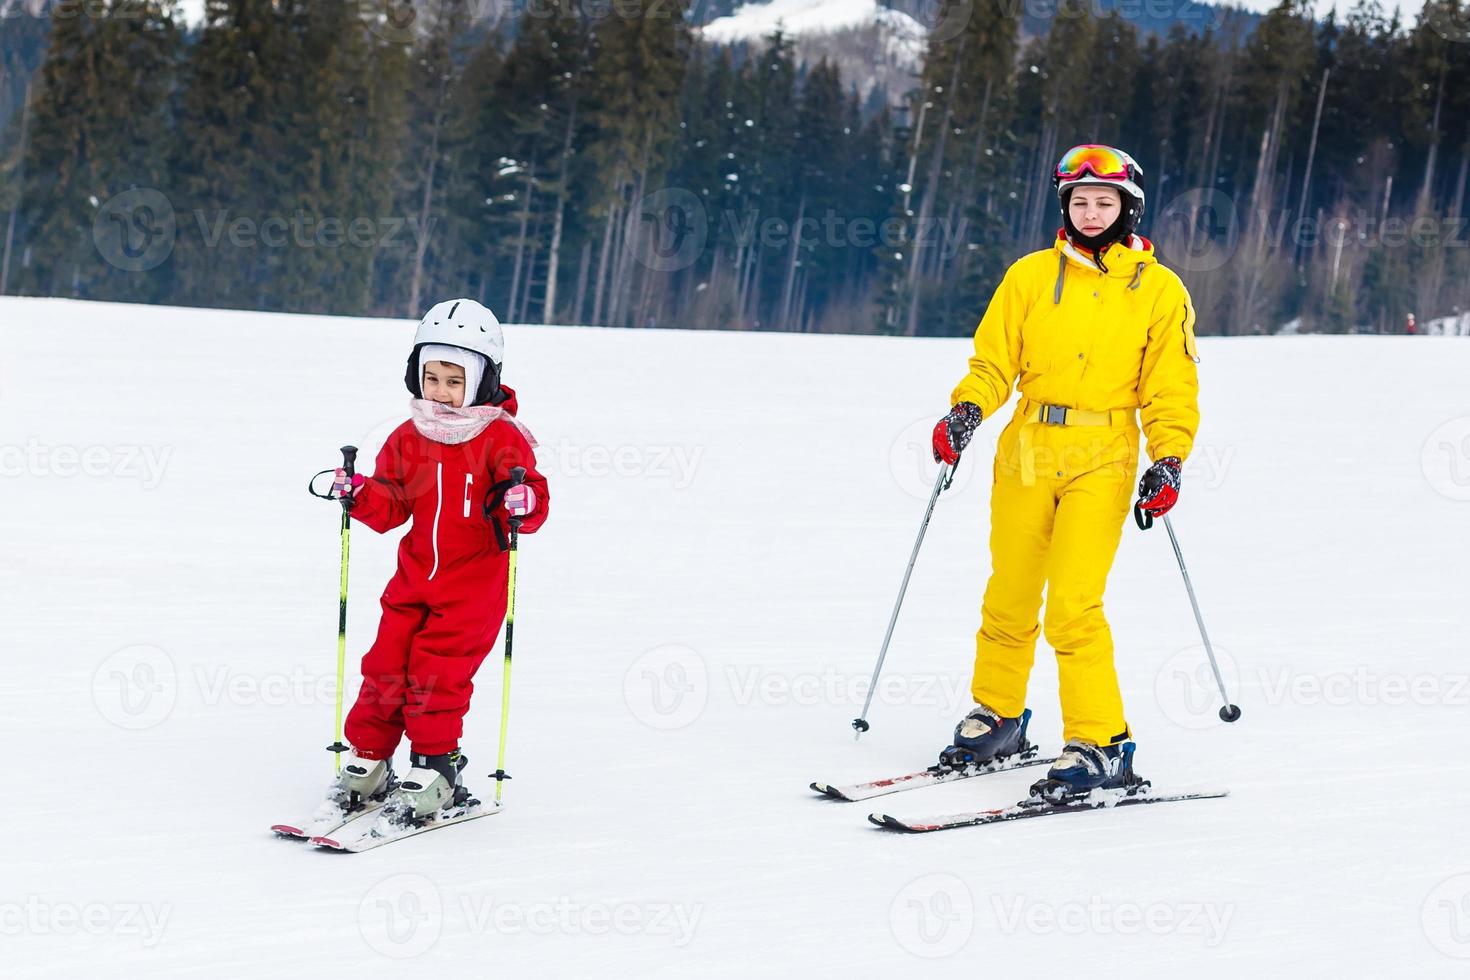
{"x":438,"y":506}
{"x":469,"y":478}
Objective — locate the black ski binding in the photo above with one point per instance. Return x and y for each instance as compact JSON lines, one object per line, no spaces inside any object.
{"x":1058,"y":793}
{"x":956,"y":757}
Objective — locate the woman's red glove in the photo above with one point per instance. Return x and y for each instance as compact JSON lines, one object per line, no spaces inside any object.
{"x":1158,"y":491}
{"x":953,"y":432}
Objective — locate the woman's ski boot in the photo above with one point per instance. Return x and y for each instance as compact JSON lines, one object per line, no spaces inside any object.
{"x":1084,"y":769}
{"x":983,"y":737}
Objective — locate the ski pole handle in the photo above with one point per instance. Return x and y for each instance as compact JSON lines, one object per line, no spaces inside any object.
{"x":517,"y":477}
{"x":1141,"y":517}
{"x":349,"y":466}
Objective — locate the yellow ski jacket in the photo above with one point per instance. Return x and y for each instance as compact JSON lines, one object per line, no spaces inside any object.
{"x":1100,"y":344}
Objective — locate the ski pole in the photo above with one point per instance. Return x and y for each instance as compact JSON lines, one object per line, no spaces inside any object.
{"x":1145,"y":520}
{"x":941,"y":482}
{"x":349,"y":465}
{"x":517,"y":476}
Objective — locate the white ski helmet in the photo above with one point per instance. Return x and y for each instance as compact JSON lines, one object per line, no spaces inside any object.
{"x":1102,"y":166}
{"x":465,"y":324}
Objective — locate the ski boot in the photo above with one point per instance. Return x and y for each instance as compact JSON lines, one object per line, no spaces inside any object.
{"x":431,"y":785}
{"x":1084,"y":769}
{"x":361,"y":783}
{"x":982,"y":737}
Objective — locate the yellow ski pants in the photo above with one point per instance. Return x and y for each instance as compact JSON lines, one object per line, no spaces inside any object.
{"x":1061,"y":533}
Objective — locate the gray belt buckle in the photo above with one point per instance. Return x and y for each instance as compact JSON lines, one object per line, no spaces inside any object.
{"x":1054,"y":414}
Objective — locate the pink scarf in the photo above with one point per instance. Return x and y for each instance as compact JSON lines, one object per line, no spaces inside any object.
{"x":451,"y":426}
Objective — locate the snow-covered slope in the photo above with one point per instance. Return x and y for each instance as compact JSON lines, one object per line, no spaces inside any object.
{"x":753,"y":21}
{"x":731,"y":517}
{"x":870,"y":43}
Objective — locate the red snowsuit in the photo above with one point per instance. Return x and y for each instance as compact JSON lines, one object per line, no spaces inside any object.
{"x":443,"y":607}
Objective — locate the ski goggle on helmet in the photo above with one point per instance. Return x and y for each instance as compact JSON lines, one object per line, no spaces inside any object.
{"x":1093,"y":163}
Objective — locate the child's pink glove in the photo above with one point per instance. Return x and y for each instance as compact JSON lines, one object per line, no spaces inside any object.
{"x":341,"y":489}
{"x":520,"y":500}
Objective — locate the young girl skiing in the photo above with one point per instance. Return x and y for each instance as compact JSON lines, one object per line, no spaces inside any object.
{"x":448,"y":471}
{"x":1096,"y":334}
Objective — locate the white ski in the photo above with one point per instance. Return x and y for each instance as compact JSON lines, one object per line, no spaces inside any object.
{"x":381,"y":831}
{"x":1029,"y":755}
{"x":326,"y":820}
{"x":1034,"y":807}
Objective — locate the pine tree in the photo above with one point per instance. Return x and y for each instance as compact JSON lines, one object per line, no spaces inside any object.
{"x":465,"y":247}
{"x":635,"y":81}
{"x":230,"y":164}
{"x":99,"y":128}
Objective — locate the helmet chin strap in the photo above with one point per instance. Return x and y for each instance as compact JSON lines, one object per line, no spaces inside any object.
{"x":1121,"y":228}
{"x":1096,"y":244}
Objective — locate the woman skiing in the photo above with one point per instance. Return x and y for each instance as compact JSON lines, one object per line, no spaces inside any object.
{"x":1097,"y":336}
{"x":448,"y":470}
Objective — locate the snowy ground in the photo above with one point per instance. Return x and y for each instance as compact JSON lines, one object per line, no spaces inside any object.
{"x":732,"y":513}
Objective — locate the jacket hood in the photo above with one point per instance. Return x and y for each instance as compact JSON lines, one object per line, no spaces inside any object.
{"x":1122,"y":260}
{"x":509,"y":404}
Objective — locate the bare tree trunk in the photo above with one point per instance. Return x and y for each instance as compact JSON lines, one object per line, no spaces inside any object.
{"x":968,"y":186}
{"x":1301,"y":208}
{"x":515,"y":275}
{"x":755,"y":298}
{"x":20,"y":176}
{"x":426,"y":205}
{"x":1312,"y":146}
{"x":1458,"y":203}
{"x":618,"y":274}
{"x":931,"y":191}
{"x":645,"y":296}
{"x":1018,"y":219}
{"x":533,"y":255}
{"x":599,"y":289}
{"x":632,"y":237}
{"x":1261,"y":195}
{"x":1215,"y":137}
{"x":914,"y":150}
{"x":705,"y":305}
{"x":548,"y":310}
{"x":1046,"y":152}
{"x":792,"y":261}
{"x":582,"y":265}
{"x":803,"y":314}
{"x":1426,"y":192}
{"x":745,"y":271}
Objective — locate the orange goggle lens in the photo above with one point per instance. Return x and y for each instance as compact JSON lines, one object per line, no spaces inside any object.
{"x":1102,"y":161}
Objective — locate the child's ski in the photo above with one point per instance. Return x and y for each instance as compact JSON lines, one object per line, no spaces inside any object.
{"x":933,"y":776}
{"x":326,"y":821}
{"x":1034,"y":807}
{"x":384,"y":832}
